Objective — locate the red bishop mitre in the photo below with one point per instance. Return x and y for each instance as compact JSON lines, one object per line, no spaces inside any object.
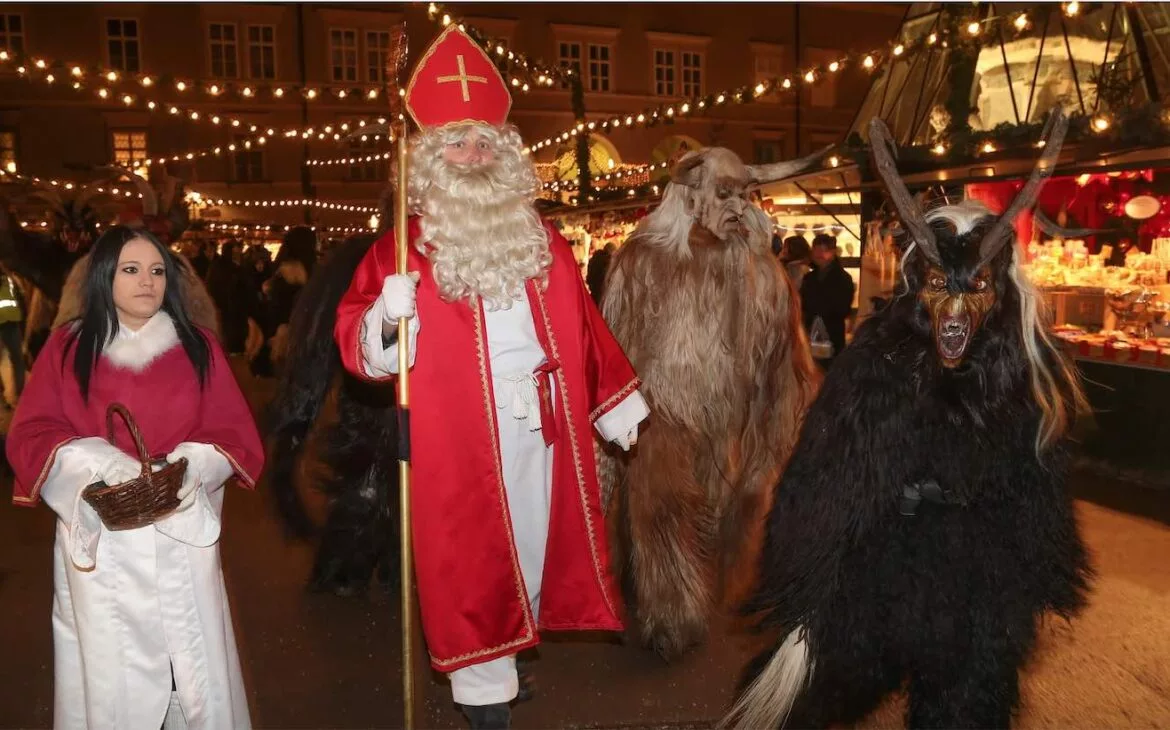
{"x":456,"y":82}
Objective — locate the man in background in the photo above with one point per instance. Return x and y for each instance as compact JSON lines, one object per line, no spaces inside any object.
{"x":827,"y":292}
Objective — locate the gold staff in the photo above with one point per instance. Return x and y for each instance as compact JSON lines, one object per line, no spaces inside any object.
{"x":395,"y":61}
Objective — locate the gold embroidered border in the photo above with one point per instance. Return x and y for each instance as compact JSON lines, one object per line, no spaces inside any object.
{"x":517,"y":644}
{"x":614,"y":399}
{"x":235,"y":465}
{"x":597,"y":569}
{"x":34,"y":495}
{"x":493,"y":429}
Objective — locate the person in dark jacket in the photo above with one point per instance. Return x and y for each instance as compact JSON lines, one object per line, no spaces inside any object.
{"x":598,"y":268}
{"x":228,"y":286}
{"x":293,"y":266}
{"x":827,"y":292}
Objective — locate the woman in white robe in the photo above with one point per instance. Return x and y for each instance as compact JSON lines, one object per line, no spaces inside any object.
{"x":141,"y":611}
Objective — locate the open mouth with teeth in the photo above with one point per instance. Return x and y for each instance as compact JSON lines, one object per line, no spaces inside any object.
{"x":953,"y":335}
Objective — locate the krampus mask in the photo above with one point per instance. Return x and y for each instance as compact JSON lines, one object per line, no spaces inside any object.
{"x":957,"y":273}
{"x":717,"y":184}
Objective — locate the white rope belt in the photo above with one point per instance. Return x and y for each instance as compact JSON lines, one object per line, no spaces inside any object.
{"x":523,"y":398}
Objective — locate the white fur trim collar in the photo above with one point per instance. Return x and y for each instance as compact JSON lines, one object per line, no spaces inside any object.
{"x":136,"y":350}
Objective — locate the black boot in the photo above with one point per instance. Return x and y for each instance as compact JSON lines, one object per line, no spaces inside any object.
{"x":527,"y":681}
{"x":489,"y":717}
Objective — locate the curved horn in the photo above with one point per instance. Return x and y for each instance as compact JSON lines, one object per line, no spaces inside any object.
{"x":774,"y":171}
{"x":1053,"y":137}
{"x":882,"y":149}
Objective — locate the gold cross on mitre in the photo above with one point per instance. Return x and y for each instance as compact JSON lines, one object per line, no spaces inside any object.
{"x":463,"y":78}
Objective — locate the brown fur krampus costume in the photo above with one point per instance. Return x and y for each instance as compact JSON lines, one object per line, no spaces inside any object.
{"x":712,"y":325}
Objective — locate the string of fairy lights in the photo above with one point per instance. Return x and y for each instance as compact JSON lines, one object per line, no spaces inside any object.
{"x":253,"y":228}
{"x":201,"y":199}
{"x":870,"y":62}
{"x":118,"y":83}
{"x":521,"y":72}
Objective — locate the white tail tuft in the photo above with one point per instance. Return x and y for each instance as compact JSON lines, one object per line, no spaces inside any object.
{"x":768,"y":700}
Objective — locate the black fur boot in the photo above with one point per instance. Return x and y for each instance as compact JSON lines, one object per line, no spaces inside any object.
{"x":488,"y":717}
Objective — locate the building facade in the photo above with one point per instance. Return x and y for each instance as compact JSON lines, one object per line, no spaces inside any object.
{"x":122,"y":82}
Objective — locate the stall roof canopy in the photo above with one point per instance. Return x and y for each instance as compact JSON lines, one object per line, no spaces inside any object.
{"x":1022,"y":67}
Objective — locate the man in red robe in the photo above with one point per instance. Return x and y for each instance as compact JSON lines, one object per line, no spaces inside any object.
{"x":513,"y":370}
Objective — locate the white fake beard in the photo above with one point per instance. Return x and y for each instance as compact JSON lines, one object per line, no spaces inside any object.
{"x":483,"y":238}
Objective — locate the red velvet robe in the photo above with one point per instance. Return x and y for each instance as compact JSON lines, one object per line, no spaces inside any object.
{"x":474,"y":604}
{"x":165,"y":400}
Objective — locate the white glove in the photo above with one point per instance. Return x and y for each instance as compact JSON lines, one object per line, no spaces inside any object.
{"x":629,"y":440}
{"x":398,"y":293}
{"x":200,"y":458}
{"x":119,"y":467}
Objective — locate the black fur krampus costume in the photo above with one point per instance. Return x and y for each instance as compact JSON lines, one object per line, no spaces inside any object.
{"x":922,"y":526}
{"x":357,"y":448}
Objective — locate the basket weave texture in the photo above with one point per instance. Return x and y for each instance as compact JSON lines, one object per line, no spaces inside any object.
{"x":144,"y":500}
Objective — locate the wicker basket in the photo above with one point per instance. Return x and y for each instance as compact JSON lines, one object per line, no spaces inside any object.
{"x":140,"y":501}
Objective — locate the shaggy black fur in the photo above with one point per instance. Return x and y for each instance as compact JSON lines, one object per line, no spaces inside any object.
{"x":948,"y":598}
{"x":361,"y":531}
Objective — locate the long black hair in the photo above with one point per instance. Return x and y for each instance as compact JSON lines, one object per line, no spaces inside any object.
{"x":99,"y":319}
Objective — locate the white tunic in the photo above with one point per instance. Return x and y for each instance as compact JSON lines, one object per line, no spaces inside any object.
{"x":130,"y":605}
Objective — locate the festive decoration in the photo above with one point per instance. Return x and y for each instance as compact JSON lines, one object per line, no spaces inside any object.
{"x":376,"y":157}
{"x":206,"y":200}
{"x":119,"y":83}
{"x":746,"y":94}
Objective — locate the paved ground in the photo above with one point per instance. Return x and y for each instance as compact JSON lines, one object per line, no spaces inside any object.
{"x":314,"y":661}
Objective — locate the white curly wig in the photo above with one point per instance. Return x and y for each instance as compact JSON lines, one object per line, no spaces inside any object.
{"x":479,"y":226}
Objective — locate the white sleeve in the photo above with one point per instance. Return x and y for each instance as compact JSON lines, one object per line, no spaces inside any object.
{"x":381,"y":361}
{"x":75,"y":467}
{"x":198,"y":524}
{"x":623,"y":417}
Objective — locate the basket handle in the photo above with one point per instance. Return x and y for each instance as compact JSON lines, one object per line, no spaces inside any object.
{"x":124,"y":412}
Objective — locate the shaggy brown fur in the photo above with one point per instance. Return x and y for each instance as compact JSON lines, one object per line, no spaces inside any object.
{"x":713,"y":329}
{"x":199,"y":305}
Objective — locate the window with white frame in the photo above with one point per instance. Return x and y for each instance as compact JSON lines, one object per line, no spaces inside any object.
{"x":7,"y":150}
{"x":569,"y":56}
{"x":377,"y":48}
{"x":372,"y":171}
{"x":12,"y":32}
{"x":224,"y":57}
{"x":664,"y":72}
{"x":262,"y":52}
{"x":768,"y":66}
{"x":122,"y":44}
{"x":692,"y":73}
{"x":343,"y":54}
{"x":247,"y":161}
{"x":600,"y":67}
{"x":129,"y":146}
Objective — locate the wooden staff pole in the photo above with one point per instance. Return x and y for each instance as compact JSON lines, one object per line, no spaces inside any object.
{"x":402,"y":241}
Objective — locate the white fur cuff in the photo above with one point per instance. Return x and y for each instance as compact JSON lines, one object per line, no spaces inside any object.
{"x":620,"y":419}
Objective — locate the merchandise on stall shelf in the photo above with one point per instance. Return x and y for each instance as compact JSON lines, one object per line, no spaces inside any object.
{"x":1068,"y":264}
{"x":1115,"y":346}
